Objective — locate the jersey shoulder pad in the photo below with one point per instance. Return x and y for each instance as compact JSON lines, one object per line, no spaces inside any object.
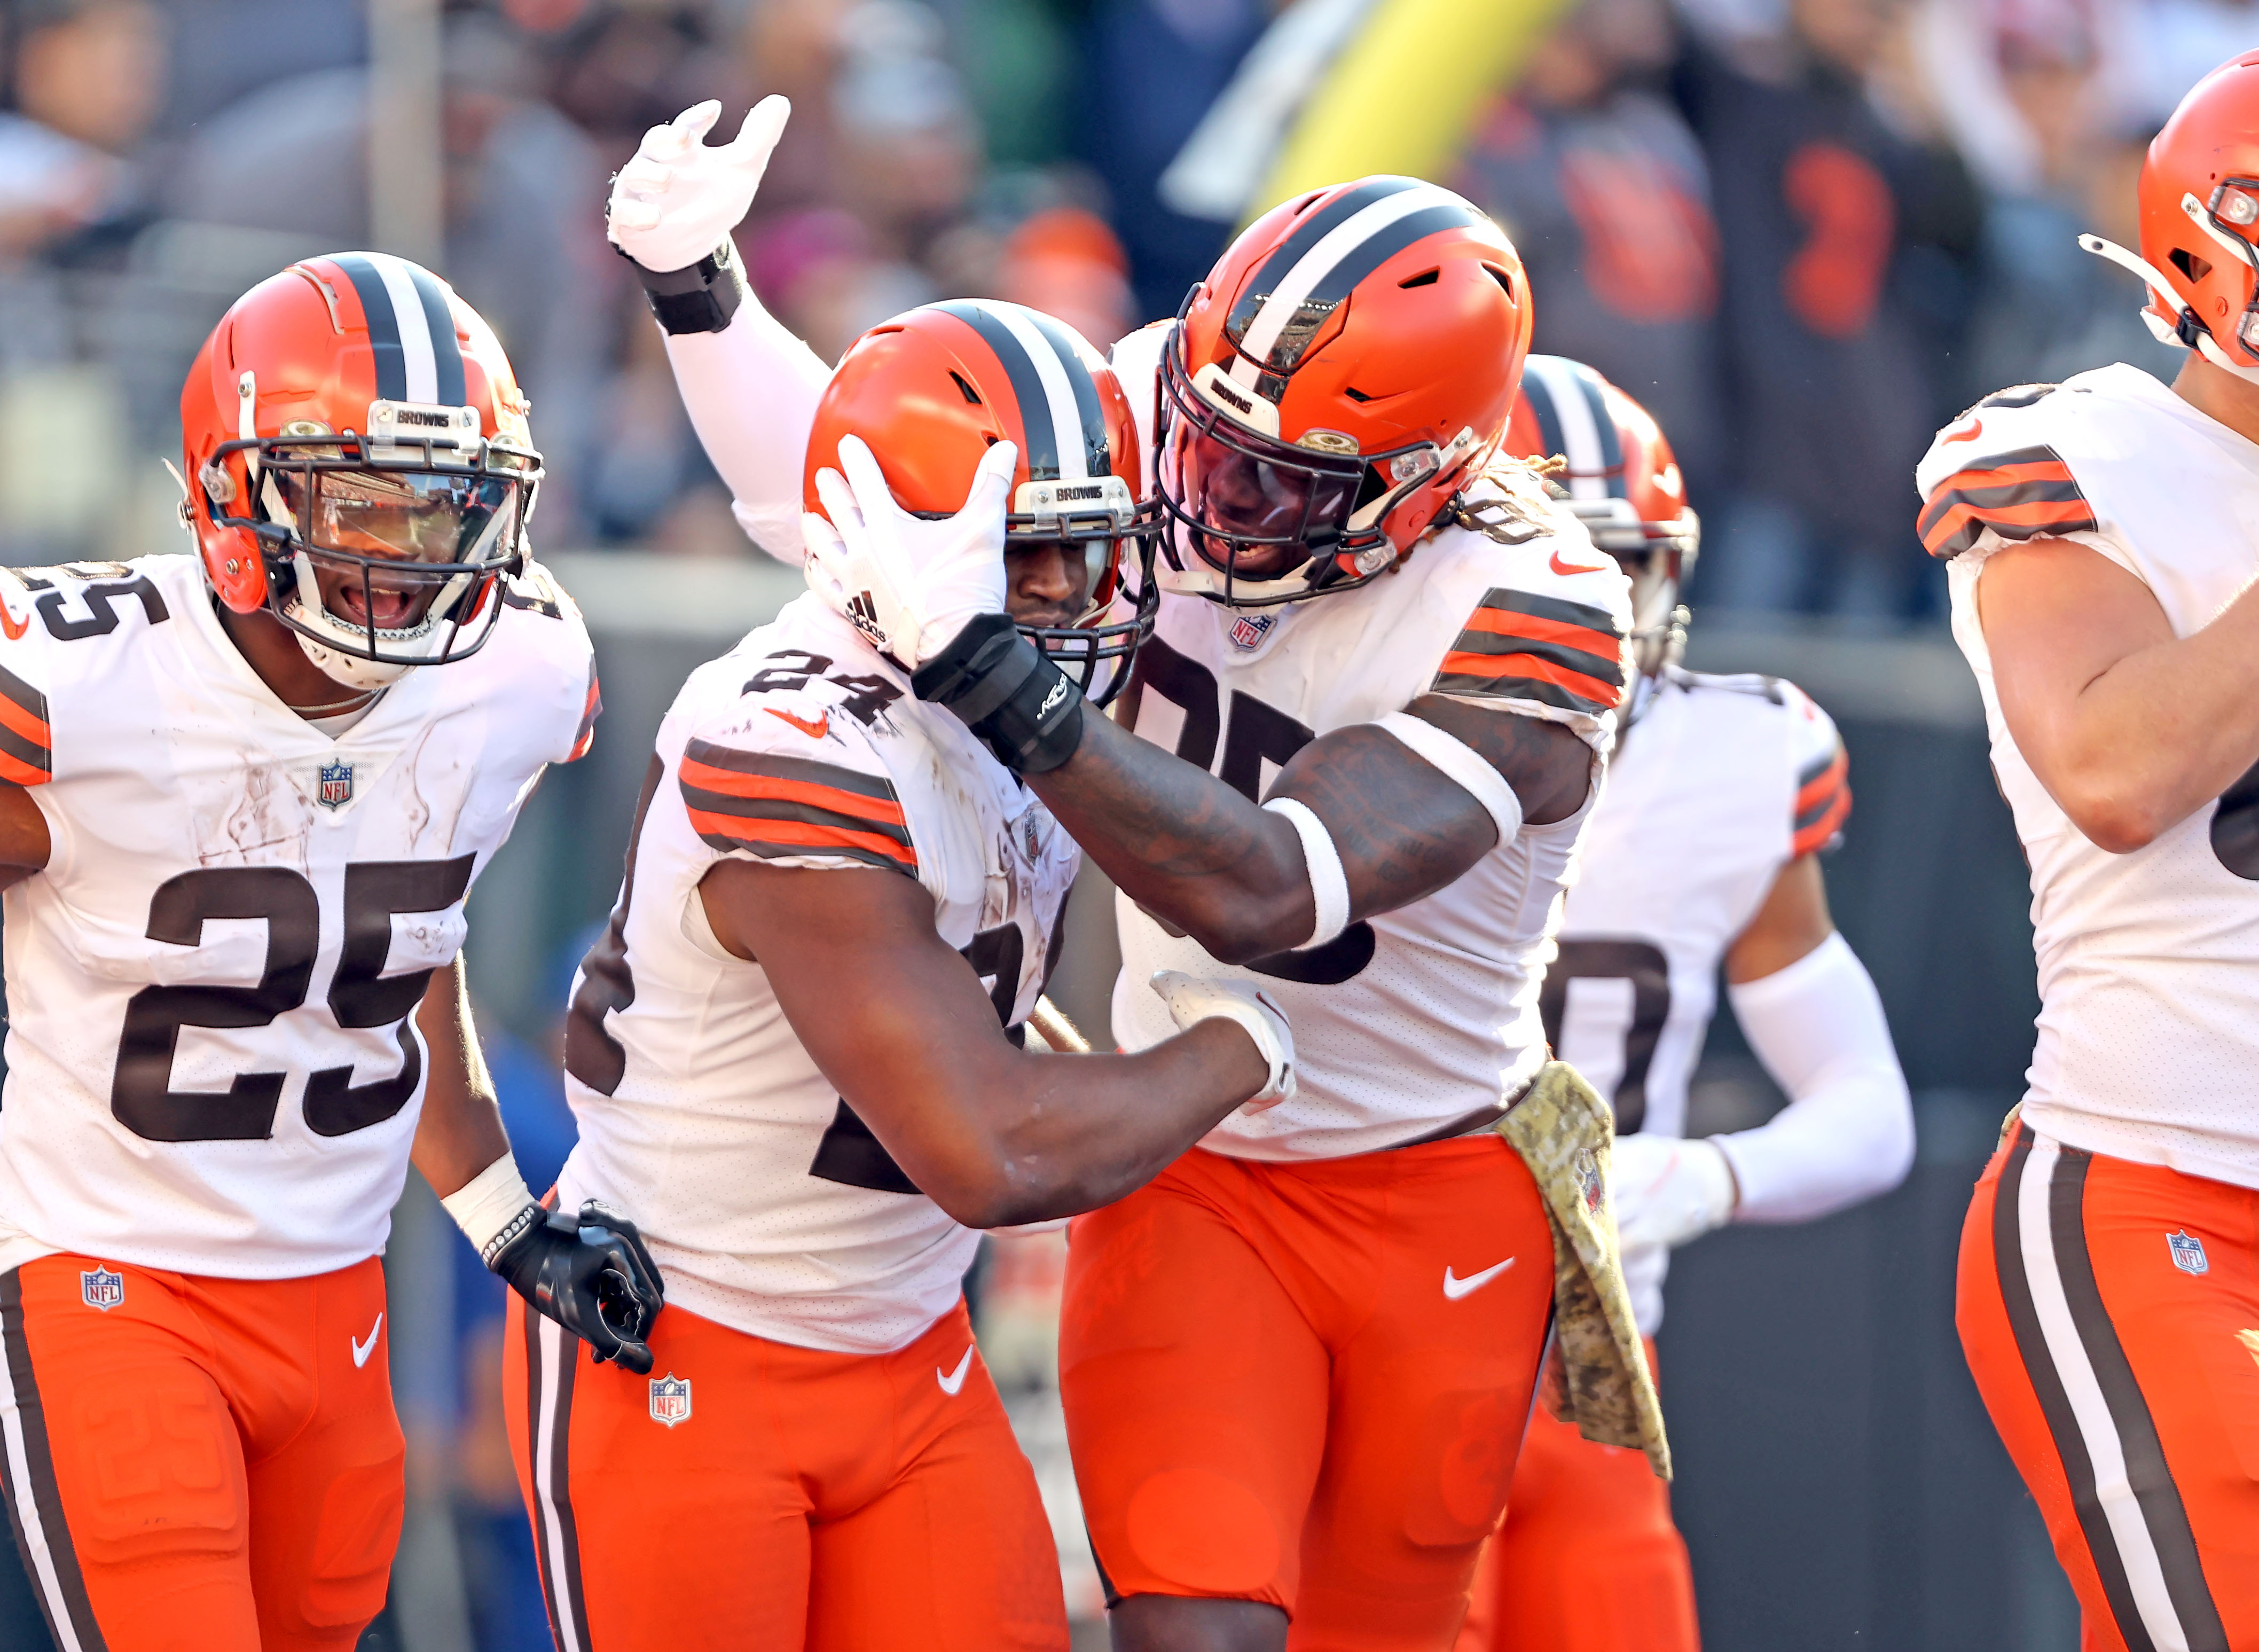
{"x":1823,"y":775}
{"x":789,"y":773}
{"x":2003,"y":472}
{"x":1547,"y":634}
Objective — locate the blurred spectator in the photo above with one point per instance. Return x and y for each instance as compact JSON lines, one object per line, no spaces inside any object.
{"x":1606,"y":195}
{"x":2054,"y":126}
{"x":523,"y":220}
{"x":1849,"y":249}
{"x":1065,"y":262}
{"x":1152,"y":69}
{"x":88,"y":82}
{"x":617,"y":69}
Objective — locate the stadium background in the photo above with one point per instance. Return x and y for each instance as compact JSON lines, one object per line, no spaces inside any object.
{"x":1804,"y":231}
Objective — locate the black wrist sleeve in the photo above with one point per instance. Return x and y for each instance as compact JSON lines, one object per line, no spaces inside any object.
{"x":699,"y":298}
{"x":1024,"y":709}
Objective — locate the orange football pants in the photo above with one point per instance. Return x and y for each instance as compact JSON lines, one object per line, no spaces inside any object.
{"x":1305,"y":1383}
{"x":1588,"y":1557}
{"x":2110,"y":1313}
{"x":749,"y":1496}
{"x":194,"y":1464}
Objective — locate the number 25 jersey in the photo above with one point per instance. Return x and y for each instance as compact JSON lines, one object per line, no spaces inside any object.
{"x":1429,"y":1013}
{"x":213,"y":1065}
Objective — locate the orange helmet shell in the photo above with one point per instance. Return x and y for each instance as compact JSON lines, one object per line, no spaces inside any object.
{"x":311,"y":351}
{"x":1622,"y":483}
{"x":933,"y":389}
{"x":1366,"y":319}
{"x":2199,"y":202}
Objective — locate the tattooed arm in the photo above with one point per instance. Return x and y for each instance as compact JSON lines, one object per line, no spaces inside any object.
{"x":1196,"y":853}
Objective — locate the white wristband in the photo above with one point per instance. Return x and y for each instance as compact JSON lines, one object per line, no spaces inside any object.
{"x":490,"y":1203}
{"x":1465,"y":765}
{"x":1329,"y":883}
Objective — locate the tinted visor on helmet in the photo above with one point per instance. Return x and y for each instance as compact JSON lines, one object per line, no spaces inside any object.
{"x":399,"y":543}
{"x":1259,"y":509}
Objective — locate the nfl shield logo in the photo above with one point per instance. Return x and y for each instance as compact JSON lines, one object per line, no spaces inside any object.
{"x":101,"y":1288}
{"x":337,"y":785}
{"x":1251,"y":628}
{"x":2188,"y":1253}
{"x":670,"y":1399}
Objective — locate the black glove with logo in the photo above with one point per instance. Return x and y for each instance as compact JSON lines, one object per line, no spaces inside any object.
{"x":589,"y":1272}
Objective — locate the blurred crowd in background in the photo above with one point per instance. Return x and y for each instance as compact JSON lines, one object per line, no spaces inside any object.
{"x":1804,"y":232}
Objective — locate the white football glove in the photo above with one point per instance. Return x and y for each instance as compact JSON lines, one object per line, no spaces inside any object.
{"x":907,"y":584}
{"x":1192,"y":999}
{"x":1668,"y":1191}
{"x":679,"y":197}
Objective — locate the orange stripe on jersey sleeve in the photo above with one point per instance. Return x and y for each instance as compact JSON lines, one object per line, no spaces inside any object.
{"x":1519,"y":646}
{"x":1495,"y":667}
{"x":780,"y":808}
{"x":1823,"y":803}
{"x":591,"y":709}
{"x":792,"y":836}
{"x":26,"y":741}
{"x":817,"y":794}
{"x":2029,"y":493}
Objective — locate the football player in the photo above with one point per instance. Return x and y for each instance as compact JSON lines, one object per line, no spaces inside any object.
{"x":1352,"y":765}
{"x":246,"y":794}
{"x":1704,"y":851}
{"x":2098,"y":537}
{"x":808,"y":1080}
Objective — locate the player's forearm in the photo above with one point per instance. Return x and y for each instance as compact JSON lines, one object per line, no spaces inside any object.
{"x":1088,"y":1129}
{"x":459,"y":1132}
{"x":750,"y":390}
{"x":1847,"y":1134}
{"x":1182,"y":844}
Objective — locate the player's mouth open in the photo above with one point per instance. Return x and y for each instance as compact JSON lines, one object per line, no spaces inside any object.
{"x":389,"y":610}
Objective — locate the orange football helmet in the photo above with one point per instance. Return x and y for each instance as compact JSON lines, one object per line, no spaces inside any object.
{"x":353,"y":418}
{"x":933,"y":389}
{"x":1622,"y":483}
{"x":1343,"y":370}
{"x":2199,"y":201}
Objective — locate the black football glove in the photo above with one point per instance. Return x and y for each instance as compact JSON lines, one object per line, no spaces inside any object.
{"x":590,"y":1273}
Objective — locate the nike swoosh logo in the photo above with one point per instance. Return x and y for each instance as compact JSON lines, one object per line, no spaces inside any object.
{"x":1455,"y":1287}
{"x":814,"y":730}
{"x":1969,"y":435}
{"x":955,"y":1380}
{"x":361,"y":1351}
{"x":10,"y":627}
{"x":1560,"y":566}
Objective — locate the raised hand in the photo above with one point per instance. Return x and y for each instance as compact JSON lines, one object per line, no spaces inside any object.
{"x":679,"y":197}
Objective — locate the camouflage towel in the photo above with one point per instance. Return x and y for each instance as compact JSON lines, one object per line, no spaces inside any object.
{"x":1596,"y":1375}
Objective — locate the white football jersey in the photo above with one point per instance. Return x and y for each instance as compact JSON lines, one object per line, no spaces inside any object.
{"x":1719,"y":783}
{"x":1429,"y":1013}
{"x":213,"y":1065}
{"x":2148,"y":1047}
{"x":770,"y":1206}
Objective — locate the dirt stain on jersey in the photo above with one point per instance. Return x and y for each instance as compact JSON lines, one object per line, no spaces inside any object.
{"x":261,"y":820}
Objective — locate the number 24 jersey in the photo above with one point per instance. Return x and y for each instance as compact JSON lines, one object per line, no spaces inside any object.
{"x":213,"y":1065}
{"x":769,"y":1205}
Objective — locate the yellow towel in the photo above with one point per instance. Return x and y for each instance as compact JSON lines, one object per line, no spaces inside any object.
{"x":1596,"y":1375}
